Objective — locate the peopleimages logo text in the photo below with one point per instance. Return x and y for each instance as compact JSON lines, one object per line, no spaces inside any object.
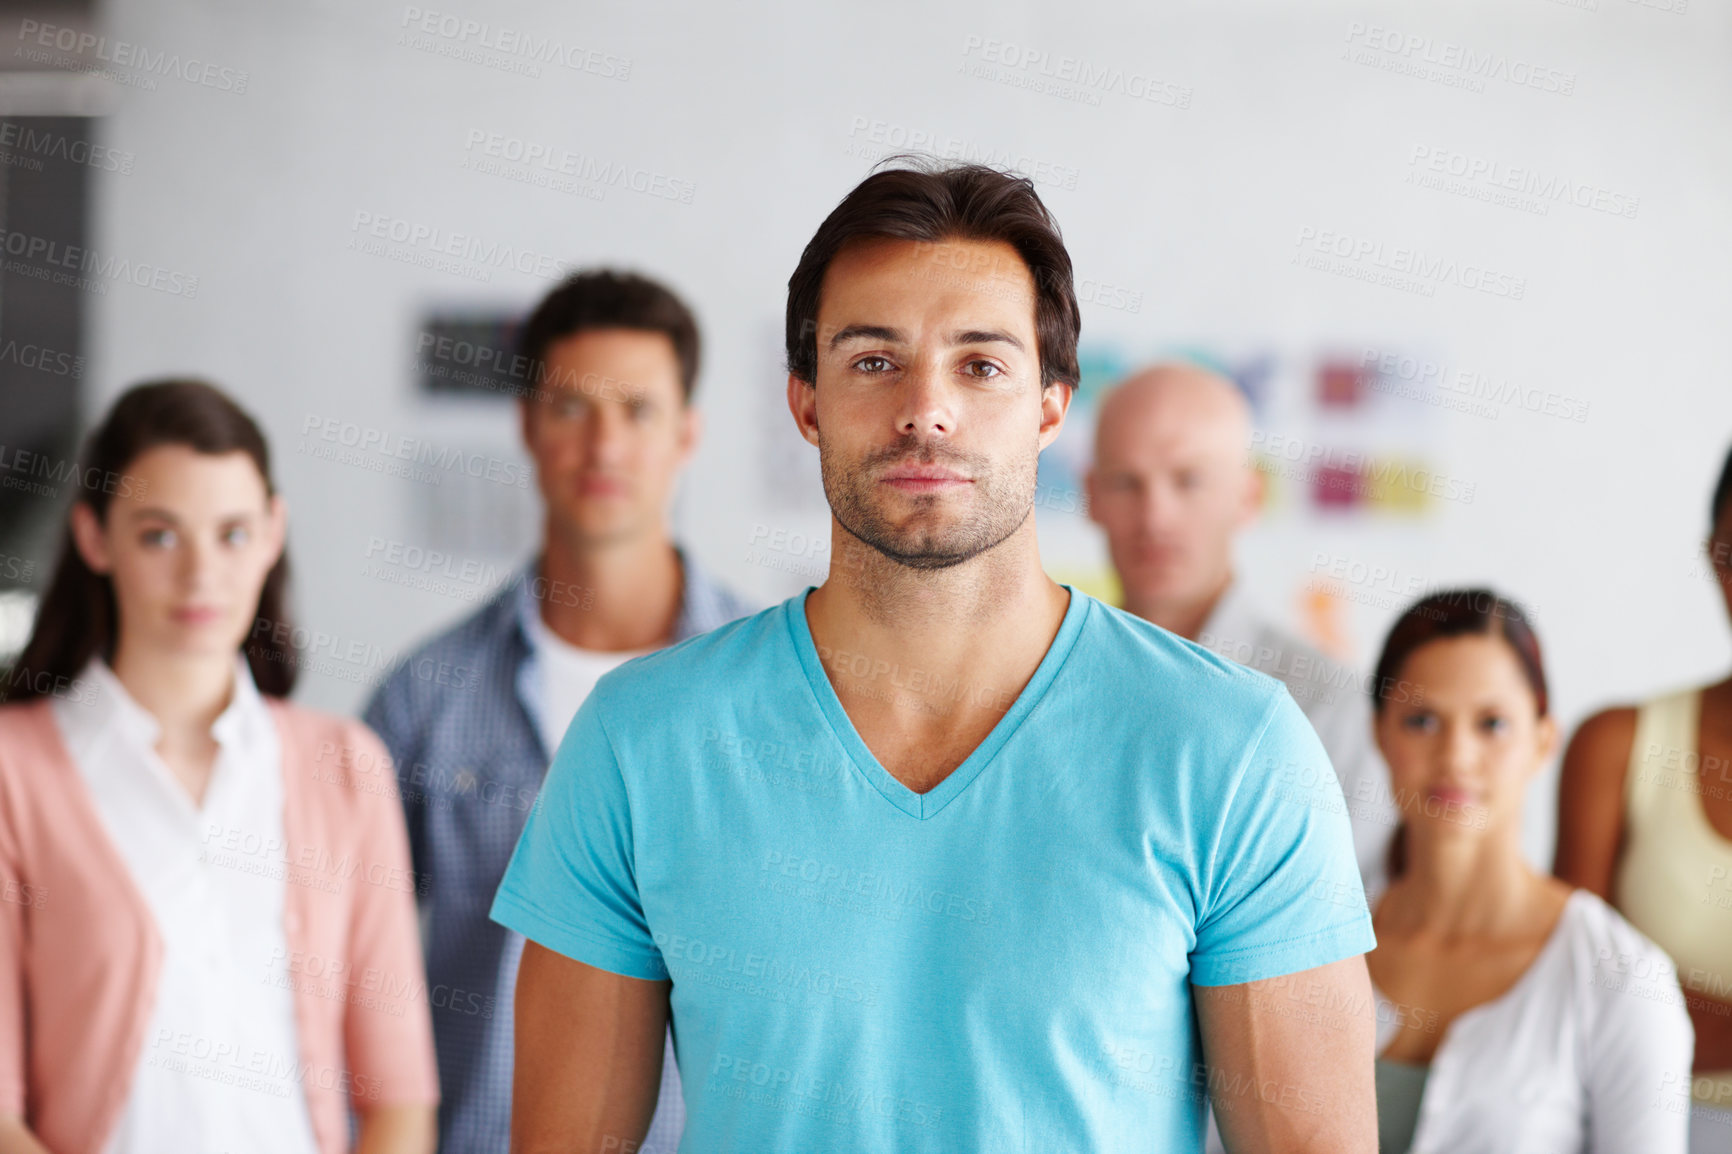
{"x":125,"y":54}
{"x":1410,"y":262}
{"x":44,"y":252}
{"x":460,"y":245}
{"x":1086,"y":76}
{"x":1415,"y":49}
{"x":515,"y":42}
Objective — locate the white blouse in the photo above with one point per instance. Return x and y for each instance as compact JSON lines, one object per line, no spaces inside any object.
{"x":220,"y":1068}
{"x":1588,"y":1053}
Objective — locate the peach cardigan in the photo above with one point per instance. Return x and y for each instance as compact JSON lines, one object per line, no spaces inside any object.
{"x":80,"y":954}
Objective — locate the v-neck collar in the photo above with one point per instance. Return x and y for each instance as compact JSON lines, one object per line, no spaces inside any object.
{"x":925,"y":805}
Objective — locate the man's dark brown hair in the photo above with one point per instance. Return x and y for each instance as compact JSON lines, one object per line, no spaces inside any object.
{"x":941,"y":203}
{"x":606,"y":299}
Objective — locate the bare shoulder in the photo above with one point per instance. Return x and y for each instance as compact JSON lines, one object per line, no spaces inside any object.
{"x":1599,"y":751}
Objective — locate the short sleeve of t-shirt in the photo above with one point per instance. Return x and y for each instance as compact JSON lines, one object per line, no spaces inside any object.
{"x":1282,"y":891}
{"x":571,"y":884}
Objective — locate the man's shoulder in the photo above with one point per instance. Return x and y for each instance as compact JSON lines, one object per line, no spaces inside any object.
{"x":707,"y":602}
{"x":1261,"y":644}
{"x":1123,"y":635}
{"x":1319,"y":683}
{"x":457,"y":655}
{"x":711,"y":663}
{"x":480,"y":632}
{"x":1137,"y":653}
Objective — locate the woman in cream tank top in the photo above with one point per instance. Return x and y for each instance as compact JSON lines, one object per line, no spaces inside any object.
{"x":1645,"y":821}
{"x":1674,"y":876}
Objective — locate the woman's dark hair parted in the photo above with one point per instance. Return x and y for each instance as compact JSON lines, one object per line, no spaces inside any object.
{"x":1460,"y":613}
{"x":606,"y":299}
{"x":1438,"y":617}
{"x":932,"y":204}
{"x":77,"y":619}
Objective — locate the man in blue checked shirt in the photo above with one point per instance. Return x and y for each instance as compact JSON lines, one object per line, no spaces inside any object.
{"x":611,"y":360}
{"x":940,"y":857}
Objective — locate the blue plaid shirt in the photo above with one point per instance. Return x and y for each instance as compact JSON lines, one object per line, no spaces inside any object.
{"x":469,"y":761}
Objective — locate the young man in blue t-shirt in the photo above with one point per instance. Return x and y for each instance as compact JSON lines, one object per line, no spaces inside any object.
{"x":940,"y":855}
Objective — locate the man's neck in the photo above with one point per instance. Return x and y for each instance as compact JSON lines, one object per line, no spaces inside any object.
{"x":1183,"y":616}
{"x":616,"y":596}
{"x":958,"y":639}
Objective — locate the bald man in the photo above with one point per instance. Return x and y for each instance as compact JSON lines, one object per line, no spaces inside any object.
{"x":1172,"y":484}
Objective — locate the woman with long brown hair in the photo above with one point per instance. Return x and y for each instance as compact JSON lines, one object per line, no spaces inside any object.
{"x":219,"y":947}
{"x":1513,"y":1013}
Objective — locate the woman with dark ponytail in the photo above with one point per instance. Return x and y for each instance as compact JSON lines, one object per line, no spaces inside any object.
{"x":1513,"y":1013}
{"x":1645,"y":821}
{"x":214,"y":944}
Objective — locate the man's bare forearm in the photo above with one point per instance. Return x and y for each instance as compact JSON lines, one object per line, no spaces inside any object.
{"x":1293,"y":1083}
{"x":588,"y":1056}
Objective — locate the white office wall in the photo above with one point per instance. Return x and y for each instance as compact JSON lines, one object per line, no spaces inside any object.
{"x":1264,"y":124}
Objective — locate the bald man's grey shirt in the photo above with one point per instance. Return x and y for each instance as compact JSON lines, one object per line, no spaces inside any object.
{"x":1337,"y":701}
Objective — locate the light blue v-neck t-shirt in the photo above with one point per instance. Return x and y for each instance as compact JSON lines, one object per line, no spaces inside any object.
{"x":1003,"y":963}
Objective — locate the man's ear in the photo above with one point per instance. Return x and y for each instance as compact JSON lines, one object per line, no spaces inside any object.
{"x":1256,"y":488}
{"x":1055,"y":402}
{"x":691,"y":432}
{"x":803,"y":404}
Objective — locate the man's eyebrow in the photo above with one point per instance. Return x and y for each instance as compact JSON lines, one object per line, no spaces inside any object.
{"x":870,"y":332}
{"x":885,"y":333}
{"x":984,"y":337}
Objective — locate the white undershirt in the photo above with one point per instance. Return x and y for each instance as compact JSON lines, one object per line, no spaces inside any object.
{"x":220,"y":1068}
{"x":564,"y":675}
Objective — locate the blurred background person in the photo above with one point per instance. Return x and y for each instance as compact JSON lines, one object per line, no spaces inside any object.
{"x":1515,"y":1013}
{"x":1172,"y":484}
{"x":610,"y":425}
{"x":196,"y":849}
{"x":1645,"y":821}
